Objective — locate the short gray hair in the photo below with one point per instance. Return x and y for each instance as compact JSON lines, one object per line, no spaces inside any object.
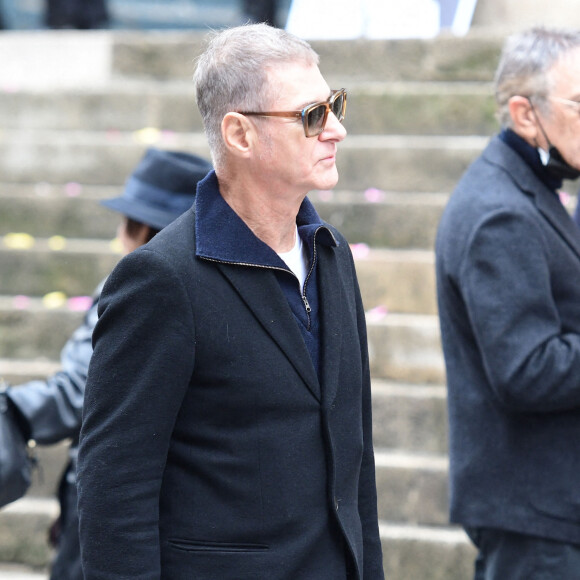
{"x":525,"y":65}
{"x":231,"y":74}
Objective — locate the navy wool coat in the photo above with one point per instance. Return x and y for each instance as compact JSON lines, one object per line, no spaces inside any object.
{"x":508,"y":275}
{"x":210,"y":449}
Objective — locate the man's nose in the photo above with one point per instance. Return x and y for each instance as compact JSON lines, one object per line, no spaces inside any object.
{"x":334,"y":128}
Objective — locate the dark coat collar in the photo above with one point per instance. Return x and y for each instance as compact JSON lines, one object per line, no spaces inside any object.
{"x":546,"y":200}
{"x":222,"y":236}
{"x":531,"y":156}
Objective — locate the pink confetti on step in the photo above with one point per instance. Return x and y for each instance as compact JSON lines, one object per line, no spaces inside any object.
{"x":168,"y":136}
{"x":79,"y":303}
{"x":73,"y":189}
{"x":11,"y":88}
{"x":564,"y":197}
{"x":21,"y":302}
{"x":377,"y":313}
{"x":373,"y":195}
{"x":360,"y":251}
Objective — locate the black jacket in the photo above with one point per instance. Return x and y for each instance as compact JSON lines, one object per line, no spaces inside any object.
{"x":210,"y":449}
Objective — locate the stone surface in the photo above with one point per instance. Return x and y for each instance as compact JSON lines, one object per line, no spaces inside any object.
{"x":419,"y":111}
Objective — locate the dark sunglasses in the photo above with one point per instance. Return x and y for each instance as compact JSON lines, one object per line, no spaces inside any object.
{"x":313,"y":116}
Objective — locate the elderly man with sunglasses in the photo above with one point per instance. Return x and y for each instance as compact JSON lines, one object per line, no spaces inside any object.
{"x":227,"y":428}
{"x":508,"y":275}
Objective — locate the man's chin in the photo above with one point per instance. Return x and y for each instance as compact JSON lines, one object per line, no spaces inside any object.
{"x":327,"y":182}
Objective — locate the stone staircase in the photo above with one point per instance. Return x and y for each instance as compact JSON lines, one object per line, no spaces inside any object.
{"x":418,"y":113}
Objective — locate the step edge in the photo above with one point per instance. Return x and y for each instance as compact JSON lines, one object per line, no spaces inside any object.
{"x":443,"y":535}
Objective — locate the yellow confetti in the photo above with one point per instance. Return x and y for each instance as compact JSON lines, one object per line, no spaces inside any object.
{"x":57,"y":243}
{"x":116,"y":245}
{"x":18,"y":241}
{"x":54,"y":299}
{"x":148,"y":135}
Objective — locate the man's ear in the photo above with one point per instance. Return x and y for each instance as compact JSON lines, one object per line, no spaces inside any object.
{"x":238,"y":133}
{"x":523,"y":115}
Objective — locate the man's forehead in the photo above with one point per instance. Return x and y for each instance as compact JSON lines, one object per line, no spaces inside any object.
{"x":298,"y":84}
{"x":565,"y":74}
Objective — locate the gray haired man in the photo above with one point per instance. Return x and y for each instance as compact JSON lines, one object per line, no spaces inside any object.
{"x":228,"y":432}
{"x":508,"y":279}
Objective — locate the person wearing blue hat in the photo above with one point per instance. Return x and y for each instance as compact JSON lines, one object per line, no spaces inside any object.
{"x":508,"y":288}
{"x":161,"y":188}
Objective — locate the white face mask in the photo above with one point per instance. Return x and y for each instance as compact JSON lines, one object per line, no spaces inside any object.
{"x":544,"y":156}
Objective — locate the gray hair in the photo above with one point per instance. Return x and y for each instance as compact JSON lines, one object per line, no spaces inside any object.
{"x":231,"y":74}
{"x":525,"y":65}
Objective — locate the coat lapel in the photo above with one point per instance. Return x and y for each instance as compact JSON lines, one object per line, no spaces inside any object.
{"x":553,"y":210}
{"x":331,"y":308}
{"x":262,"y":294}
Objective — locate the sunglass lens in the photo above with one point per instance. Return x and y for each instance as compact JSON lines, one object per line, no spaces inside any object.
{"x":338,"y":106}
{"x":316,"y":119}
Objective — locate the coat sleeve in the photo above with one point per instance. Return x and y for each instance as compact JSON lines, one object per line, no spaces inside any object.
{"x":367,"y":501}
{"x":52,"y":408}
{"x":140,"y":370}
{"x":529,"y":357}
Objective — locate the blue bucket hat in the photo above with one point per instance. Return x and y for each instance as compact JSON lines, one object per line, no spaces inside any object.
{"x":161,"y":188}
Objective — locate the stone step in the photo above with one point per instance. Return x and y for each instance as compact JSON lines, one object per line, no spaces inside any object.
{"x":71,"y":210}
{"x":391,"y":280}
{"x":29,"y":329}
{"x":412,"y":488}
{"x":402,"y":347}
{"x":428,"y":108}
{"x":396,"y":281}
{"x":377,"y":218}
{"x":426,"y":553}
{"x":75,"y":267}
{"x":420,"y":108}
{"x":20,"y":572}
{"x":410,"y":417}
{"x":405,"y":348}
{"x":122,"y":106}
{"x":36,"y":59}
{"x":387,"y":162}
{"x":24,"y":527}
{"x":445,"y":58}
{"x":22,"y":370}
{"x":373,"y":217}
